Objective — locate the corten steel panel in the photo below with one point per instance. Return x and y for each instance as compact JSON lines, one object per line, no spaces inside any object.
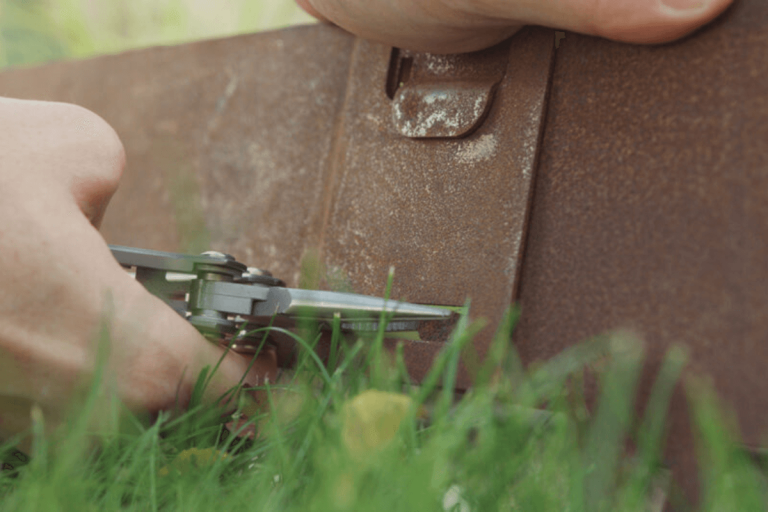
{"x":277,"y":143}
{"x":448,"y":214}
{"x":230,"y":137}
{"x":651,"y":210}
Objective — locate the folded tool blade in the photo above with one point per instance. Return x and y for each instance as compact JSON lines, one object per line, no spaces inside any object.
{"x":360,"y":312}
{"x":220,"y":290}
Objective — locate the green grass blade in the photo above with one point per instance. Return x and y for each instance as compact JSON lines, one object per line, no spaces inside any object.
{"x":612,"y":420}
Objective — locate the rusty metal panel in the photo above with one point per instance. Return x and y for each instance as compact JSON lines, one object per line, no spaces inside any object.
{"x":443,"y":96}
{"x":448,"y":214}
{"x":267,"y":146}
{"x":227,"y":140}
{"x":651,"y":210}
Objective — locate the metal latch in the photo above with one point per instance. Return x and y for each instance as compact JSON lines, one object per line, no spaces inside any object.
{"x":443,"y":96}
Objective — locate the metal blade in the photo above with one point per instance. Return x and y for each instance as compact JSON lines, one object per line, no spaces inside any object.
{"x":323,"y":305}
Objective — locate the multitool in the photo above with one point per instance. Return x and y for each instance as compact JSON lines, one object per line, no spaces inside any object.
{"x":219,"y":295}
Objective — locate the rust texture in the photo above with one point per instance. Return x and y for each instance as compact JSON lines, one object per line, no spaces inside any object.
{"x":270,"y":145}
{"x":449,"y":215}
{"x":440,"y":110}
{"x":227,"y":140}
{"x":651,"y":210}
{"x":438,"y":96}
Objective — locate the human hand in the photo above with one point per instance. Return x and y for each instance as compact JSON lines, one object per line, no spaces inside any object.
{"x":59,"y":282}
{"x":455,"y":26}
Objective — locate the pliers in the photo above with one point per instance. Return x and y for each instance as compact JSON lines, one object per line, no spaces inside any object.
{"x":218,"y":295}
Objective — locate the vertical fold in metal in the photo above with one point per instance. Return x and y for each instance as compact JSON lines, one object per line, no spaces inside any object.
{"x":650,"y":212}
{"x":449,"y":214}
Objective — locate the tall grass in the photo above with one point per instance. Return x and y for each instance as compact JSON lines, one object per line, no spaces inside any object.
{"x":358,"y":436}
{"x":35,"y":31}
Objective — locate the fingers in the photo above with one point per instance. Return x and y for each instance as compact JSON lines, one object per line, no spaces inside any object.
{"x":454,"y":26}
{"x":632,"y":21}
{"x":436,"y":26}
{"x":83,"y":304}
{"x":65,"y":302}
{"x":64,"y":146}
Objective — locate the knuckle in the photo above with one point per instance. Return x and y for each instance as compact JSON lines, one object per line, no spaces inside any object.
{"x":96,"y":142}
{"x":62,"y":139}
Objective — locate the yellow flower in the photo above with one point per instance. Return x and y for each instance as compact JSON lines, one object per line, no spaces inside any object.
{"x":371,"y":420}
{"x":192,"y":459}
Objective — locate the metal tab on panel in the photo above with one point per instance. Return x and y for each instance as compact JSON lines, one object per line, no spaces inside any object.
{"x":443,"y":96}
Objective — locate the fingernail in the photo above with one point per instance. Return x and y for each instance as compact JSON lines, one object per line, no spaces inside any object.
{"x":685,"y":5}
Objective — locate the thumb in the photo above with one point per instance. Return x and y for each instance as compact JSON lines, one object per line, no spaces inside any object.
{"x":631,"y":21}
{"x":455,"y":26}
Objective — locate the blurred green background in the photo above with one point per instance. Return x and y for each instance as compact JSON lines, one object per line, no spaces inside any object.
{"x":37,"y":31}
